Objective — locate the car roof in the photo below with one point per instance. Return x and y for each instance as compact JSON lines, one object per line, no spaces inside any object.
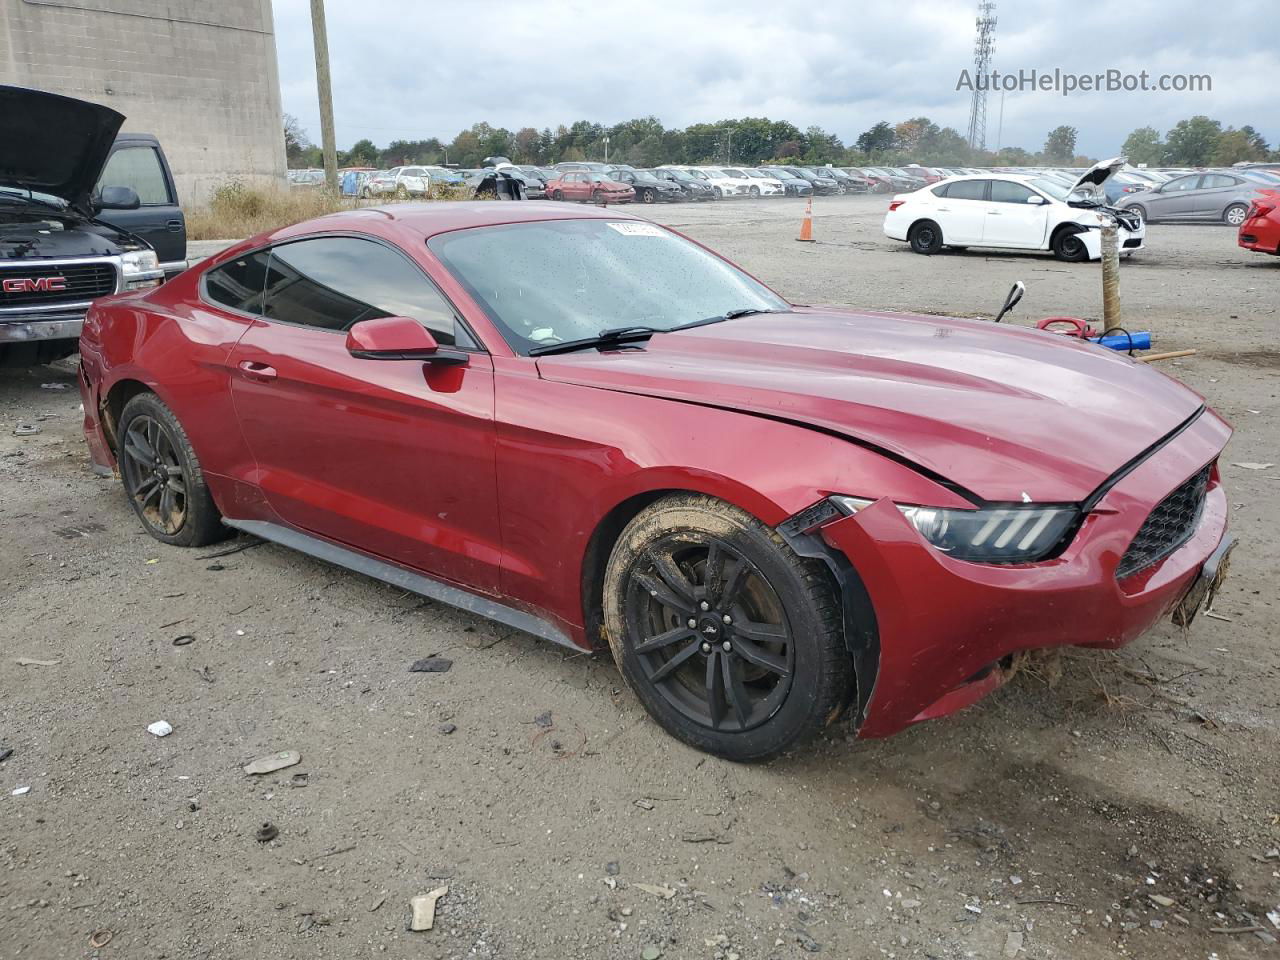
{"x":429,"y":219}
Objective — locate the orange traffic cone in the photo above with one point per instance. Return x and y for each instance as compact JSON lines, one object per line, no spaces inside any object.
{"x":806,"y":228}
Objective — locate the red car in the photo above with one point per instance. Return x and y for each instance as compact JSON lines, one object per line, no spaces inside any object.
{"x":586,"y":185}
{"x":1261,"y":227}
{"x":586,"y":426}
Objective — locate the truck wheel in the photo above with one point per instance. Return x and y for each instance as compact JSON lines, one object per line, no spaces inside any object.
{"x":732,"y":642}
{"x":162,"y":476}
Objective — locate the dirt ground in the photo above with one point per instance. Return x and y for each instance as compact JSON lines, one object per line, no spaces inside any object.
{"x":1112,"y":805}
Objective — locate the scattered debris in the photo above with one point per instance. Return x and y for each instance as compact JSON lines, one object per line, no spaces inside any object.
{"x":1012,"y":944}
{"x":650,"y":953}
{"x":205,"y":673}
{"x":431,"y":665}
{"x":20,"y":791}
{"x":1272,"y":915}
{"x":611,"y":868}
{"x":328,"y":853}
{"x":266,"y":833}
{"x":807,"y":943}
{"x":299,"y":779}
{"x":53,"y":386}
{"x":249,"y":545}
{"x":1160,"y":901}
{"x":273,"y":762}
{"x":644,"y":804}
{"x":377,"y":904}
{"x":1049,"y":900}
{"x":1213,"y":615}
{"x":99,"y":939}
{"x":424,"y":909}
{"x":26,"y":430}
{"x":973,"y":908}
{"x":543,"y":720}
{"x":1255,"y":928}
{"x":1254,"y":466}
{"x":666,"y":893}
{"x":161,"y":728}
{"x":5,"y":753}
{"x":183,"y":640}
{"x":28,"y":662}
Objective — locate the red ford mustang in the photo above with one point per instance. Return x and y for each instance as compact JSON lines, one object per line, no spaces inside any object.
{"x":586,"y":426}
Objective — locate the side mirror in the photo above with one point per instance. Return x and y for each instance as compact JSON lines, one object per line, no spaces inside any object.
{"x":1036,"y":199}
{"x":398,"y":338}
{"x":118,"y":198}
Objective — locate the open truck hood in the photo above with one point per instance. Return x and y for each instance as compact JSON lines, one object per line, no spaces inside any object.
{"x":53,"y":144}
{"x":1006,"y":412}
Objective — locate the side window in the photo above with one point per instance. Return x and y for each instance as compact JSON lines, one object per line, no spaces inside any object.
{"x":139,"y":168}
{"x":239,"y":283}
{"x":940,"y":190}
{"x":1006,"y":191}
{"x":1211,"y":180}
{"x":968,"y":190}
{"x":334,"y":282}
{"x":1182,"y":183}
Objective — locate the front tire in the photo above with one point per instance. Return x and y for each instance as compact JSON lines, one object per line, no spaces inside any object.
{"x":755,"y":193}
{"x":162,"y":476}
{"x":925,"y":237}
{"x":1069,"y":246}
{"x":557,"y":195}
{"x":1235,"y":214}
{"x":764,"y":666}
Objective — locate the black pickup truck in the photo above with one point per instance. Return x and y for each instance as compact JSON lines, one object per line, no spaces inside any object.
{"x":84,"y":211}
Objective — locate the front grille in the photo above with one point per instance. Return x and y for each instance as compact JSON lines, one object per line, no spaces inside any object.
{"x":1133,"y":242}
{"x":1168,"y":527}
{"x":75,"y":282}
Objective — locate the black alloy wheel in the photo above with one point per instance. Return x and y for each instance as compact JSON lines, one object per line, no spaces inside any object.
{"x":153,"y":475}
{"x":732,"y":642}
{"x":1069,"y":246}
{"x":714,"y":638}
{"x":162,"y":476}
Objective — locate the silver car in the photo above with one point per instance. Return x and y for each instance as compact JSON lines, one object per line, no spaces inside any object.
{"x":1222,"y":197}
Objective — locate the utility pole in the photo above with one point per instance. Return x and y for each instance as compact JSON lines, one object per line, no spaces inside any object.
{"x":325,"y":89}
{"x":729,"y":156}
{"x":606,"y":148}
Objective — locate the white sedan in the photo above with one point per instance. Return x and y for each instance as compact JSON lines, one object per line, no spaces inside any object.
{"x":729,"y":182}
{"x":1013,"y":211}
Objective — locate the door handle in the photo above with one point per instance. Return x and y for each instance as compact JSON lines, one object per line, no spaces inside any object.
{"x":993,"y":213}
{"x":258,"y":371}
{"x":944,"y":209}
{"x":173,"y":226}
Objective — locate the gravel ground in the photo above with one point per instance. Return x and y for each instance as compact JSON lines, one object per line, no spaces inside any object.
{"x":1107,"y":805}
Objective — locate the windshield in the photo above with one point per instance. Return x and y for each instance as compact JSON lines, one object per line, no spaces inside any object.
{"x":645,"y":177}
{"x":1051,"y":187}
{"x":677,"y":174}
{"x":558,"y":280}
{"x":780,"y":175}
{"x":755,"y":174}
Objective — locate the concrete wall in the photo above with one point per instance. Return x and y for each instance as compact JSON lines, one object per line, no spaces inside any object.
{"x":200,"y":75}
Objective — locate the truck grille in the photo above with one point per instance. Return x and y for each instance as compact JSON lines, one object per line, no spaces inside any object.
{"x":1168,"y":527}
{"x":44,"y":285}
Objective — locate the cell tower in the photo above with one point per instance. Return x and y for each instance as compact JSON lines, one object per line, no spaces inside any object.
{"x":984,"y":47}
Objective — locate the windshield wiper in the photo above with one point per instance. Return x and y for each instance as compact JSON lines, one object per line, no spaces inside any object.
{"x":614,"y":335}
{"x":26,"y":199}
{"x":727,"y":315}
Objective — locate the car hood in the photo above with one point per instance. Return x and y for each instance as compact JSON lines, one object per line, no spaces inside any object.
{"x":1099,"y":173}
{"x":1006,"y":412}
{"x":54,"y":144}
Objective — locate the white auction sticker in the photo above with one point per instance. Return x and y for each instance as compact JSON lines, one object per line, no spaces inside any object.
{"x":636,"y":229}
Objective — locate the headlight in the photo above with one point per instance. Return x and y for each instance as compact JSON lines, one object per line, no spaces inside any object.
{"x":1008,"y":534}
{"x":141,"y":268}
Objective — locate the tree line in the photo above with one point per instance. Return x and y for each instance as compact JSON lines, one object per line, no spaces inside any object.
{"x":750,"y":141}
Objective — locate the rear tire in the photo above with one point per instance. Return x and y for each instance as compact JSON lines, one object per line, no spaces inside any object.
{"x":1235,"y":214}
{"x":648,"y":196}
{"x":764,"y":667}
{"x":925,"y":237}
{"x":162,"y":476}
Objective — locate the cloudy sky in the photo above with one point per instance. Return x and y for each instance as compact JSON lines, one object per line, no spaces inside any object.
{"x":420,"y":68}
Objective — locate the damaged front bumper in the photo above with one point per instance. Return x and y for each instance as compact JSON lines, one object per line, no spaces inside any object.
{"x":942,"y":630}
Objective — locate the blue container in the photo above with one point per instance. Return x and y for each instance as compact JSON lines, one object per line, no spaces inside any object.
{"x":1118,"y":341}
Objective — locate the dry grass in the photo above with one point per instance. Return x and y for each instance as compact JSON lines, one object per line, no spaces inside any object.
{"x":238,"y":210}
